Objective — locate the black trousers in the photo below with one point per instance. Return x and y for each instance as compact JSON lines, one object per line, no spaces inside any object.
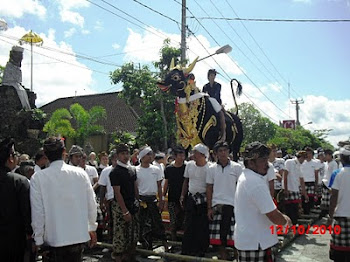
{"x":292,"y":210}
{"x":12,"y":247}
{"x":196,"y":236}
{"x":339,"y":256}
{"x":71,"y":253}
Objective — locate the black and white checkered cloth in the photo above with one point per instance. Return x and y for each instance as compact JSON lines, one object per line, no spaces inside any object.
{"x":310,"y":188}
{"x":214,"y":230}
{"x":326,"y":196}
{"x":341,"y":241}
{"x":256,"y":255}
{"x":293,"y":197}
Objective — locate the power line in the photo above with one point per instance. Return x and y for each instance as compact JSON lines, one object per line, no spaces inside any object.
{"x":157,"y":12}
{"x":268,"y":59}
{"x":240,"y":48}
{"x":59,"y":59}
{"x":234,"y":62}
{"x":274,"y":20}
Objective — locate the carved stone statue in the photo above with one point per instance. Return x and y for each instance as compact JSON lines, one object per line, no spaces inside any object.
{"x":13,"y":75}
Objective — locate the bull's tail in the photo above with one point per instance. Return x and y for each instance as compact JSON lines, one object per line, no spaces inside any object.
{"x":239,"y":92}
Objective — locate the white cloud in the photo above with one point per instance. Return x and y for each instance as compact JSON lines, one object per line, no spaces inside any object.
{"x":52,"y":79}
{"x":85,"y":32}
{"x":72,"y":17}
{"x":98,"y":26}
{"x":18,"y":8}
{"x":116,"y":46}
{"x":70,"y":32}
{"x":69,"y":4}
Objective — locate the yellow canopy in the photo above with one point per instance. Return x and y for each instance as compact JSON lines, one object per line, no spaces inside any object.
{"x":31,"y":38}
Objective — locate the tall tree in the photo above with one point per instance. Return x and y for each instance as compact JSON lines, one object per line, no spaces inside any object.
{"x":156,"y":126}
{"x":255,"y":126}
{"x":84,"y":121}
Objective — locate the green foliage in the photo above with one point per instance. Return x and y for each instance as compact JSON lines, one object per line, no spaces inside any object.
{"x":255,"y":126}
{"x":59,"y":124}
{"x":156,"y":125}
{"x":122,"y":137}
{"x":2,"y":68}
{"x":259,"y":128}
{"x":38,"y":114}
{"x":84,"y":121}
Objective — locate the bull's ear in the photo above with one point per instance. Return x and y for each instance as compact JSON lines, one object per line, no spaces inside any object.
{"x":162,"y":86}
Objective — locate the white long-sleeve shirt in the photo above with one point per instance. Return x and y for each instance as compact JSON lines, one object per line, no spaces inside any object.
{"x":63,"y":205}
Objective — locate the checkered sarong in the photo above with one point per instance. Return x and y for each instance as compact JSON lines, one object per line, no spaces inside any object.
{"x":341,"y":242}
{"x":214,"y":230}
{"x":293,"y":197}
{"x":310,"y":188}
{"x":326,"y":196}
{"x":256,"y":255}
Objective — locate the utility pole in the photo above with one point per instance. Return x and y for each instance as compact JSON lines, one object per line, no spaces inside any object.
{"x":297,"y":102}
{"x":183,"y":33}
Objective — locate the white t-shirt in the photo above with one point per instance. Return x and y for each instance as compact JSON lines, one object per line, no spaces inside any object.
{"x":197,"y":176}
{"x":252,"y":202}
{"x":329,"y":169}
{"x":342,"y":183}
{"x":321,"y":170}
{"x":92,"y":173}
{"x":105,"y":181}
{"x":294,"y":174}
{"x":308,"y":169}
{"x":270,"y":174}
{"x":278,"y":164}
{"x":147,"y":179}
{"x":224,"y":181}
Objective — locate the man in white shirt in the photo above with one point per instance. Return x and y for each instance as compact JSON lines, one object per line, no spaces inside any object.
{"x":339,"y":211}
{"x":292,"y":180}
{"x":149,"y":178}
{"x":196,"y":236}
{"x":310,"y":169}
{"x":278,"y":165}
{"x":75,"y":154}
{"x":255,"y":212}
{"x":330,"y":166}
{"x":221,"y":186}
{"x":106,"y":190}
{"x":90,"y":170}
{"x":63,"y":206}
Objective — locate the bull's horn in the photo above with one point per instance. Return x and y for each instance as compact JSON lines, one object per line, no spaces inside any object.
{"x":191,"y":66}
{"x":172,"y":63}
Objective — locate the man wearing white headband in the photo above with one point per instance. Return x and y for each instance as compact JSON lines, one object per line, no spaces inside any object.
{"x":339,"y":211}
{"x":149,"y":178}
{"x":196,"y":236}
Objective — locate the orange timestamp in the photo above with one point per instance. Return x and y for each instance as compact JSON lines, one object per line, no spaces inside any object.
{"x":309,"y":229}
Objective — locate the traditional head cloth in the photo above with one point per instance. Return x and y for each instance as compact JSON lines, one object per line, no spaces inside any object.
{"x":255,"y":150}
{"x":159,"y":155}
{"x":76,"y":150}
{"x":17,"y":49}
{"x":345,"y":151}
{"x":144,"y":152}
{"x":220,"y":144}
{"x":53,"y":144}
{"x":202,"y":149}
{"x":121,"y":148}
{"x":301,"y":153}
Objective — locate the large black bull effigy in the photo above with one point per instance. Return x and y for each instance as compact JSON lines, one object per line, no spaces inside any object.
{"x":197,"y":121}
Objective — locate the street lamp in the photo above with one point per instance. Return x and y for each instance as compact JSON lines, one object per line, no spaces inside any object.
{"x":32,"y":39}
{"x":3,"y":25}
{"x":222,"y":50}
{"x":307,"y":123}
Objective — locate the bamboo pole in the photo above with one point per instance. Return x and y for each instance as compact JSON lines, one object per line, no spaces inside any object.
{"x":177,"y":257}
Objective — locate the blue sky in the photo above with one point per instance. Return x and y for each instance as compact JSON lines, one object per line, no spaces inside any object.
{"x":312,"y":57}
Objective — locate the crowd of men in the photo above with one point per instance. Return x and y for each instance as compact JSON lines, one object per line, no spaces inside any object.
{"x":50,"y":204}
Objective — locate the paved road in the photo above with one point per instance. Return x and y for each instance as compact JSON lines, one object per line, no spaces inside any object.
{"x":307,"y":248}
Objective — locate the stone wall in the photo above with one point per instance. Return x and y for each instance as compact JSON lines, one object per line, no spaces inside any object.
{"x":17,"y":123}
